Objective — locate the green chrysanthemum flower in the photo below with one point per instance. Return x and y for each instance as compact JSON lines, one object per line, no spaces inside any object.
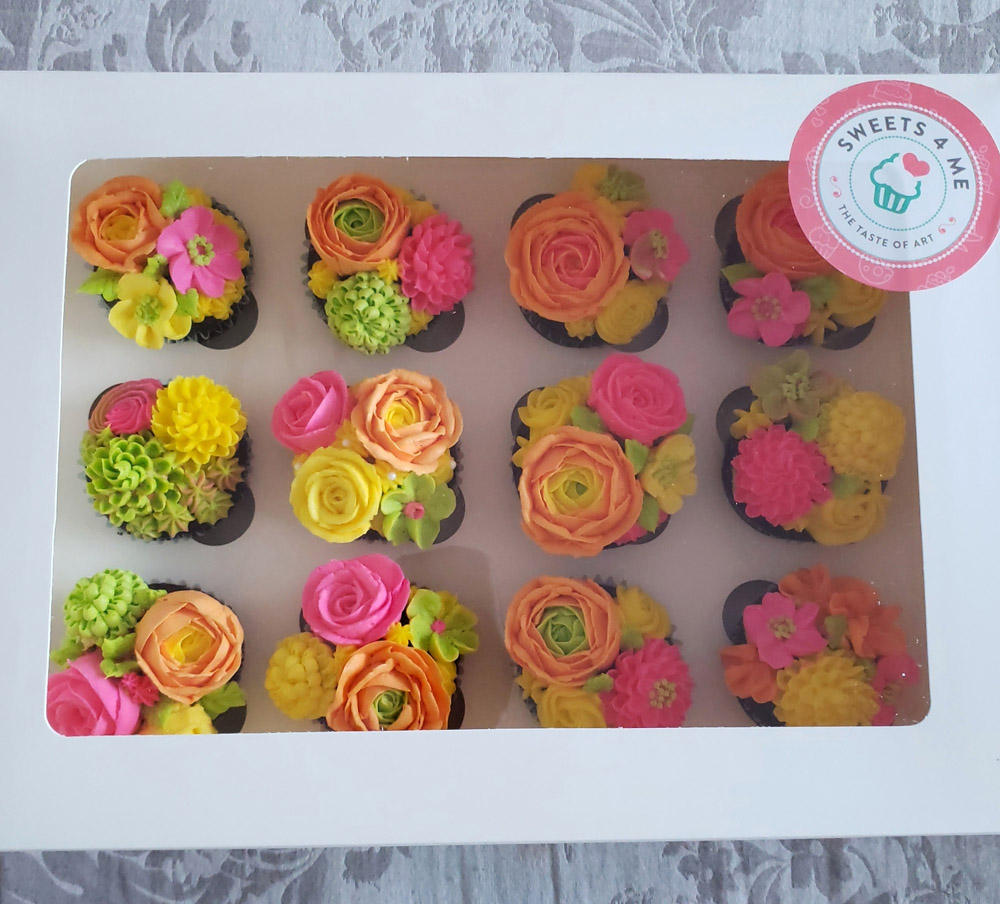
{"x":368,"y":313}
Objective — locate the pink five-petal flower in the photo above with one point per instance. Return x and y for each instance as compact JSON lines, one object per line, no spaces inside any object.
{"x":768,"y":309}
{"x":199,"y":252}
{"x":656,"y":251}
{"x":782,"y":631}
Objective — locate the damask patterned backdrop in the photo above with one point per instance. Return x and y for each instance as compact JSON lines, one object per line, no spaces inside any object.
{"x":902,"y":36}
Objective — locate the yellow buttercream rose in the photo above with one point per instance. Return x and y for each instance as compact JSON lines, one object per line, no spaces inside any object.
{"x":748,"y":421}
{"x":669,"y":475}
{"x":146,"y":311}
{"x":854,"y":303}
{"x":839,"y":521}
{"x":552,"y":406}
{"x":321,"y":278}
{"x":630,"y":311}
{"x":568,"y":707}
{"x":642,"y":613}
{"x":177,"y":719}
{"x":197,"y":419}
{"x":336,"y":494}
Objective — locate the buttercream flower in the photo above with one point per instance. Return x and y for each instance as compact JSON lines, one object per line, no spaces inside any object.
{"x":562,"y":630}
{"x":566,"y":257}
{"x":769,"y":234}
{"x":336,"y":494}
{"x":892,"y":674}
{"x":559,"y":706}
{"x":221,"y":308}
{"x":853,"y":303}
{"x":582,"y":328}
{"x":321,"y":279}
{"x":406,"y":419}
{"x":655,"y":250}
{"x":838,"y":521}
{"x":637,"y":531}
{"x":388,"y":687}
{"x":189,"y":645}
{"x":768,"y":309}
{"x":861,"y":434}
{"x":578,"y":492}
{"x":435,"y":265}
{"x":637,"y":400}
{"x":869,"y":629}
{"x":354,"y":602}
{"x":623,"y":189}
{"x":790,"y":389}
{"x":420,"y":208}
{"x":818,"y":324}
{"x":147,"y":311}
{"x":301,"y":679}
{"x":641,"y":613}
{"x":668,"y":475}
{"x":357,"y":222}
{"x":779,"y":476}
{"x":415,"y":509}
{"x":552,"y":406}
{"x":125,"y":408}
{"x":309,"y":414}
{"x":809,"y":585}
{"x":629,"y":311}
{"x":419,"y":321}
{"x":748,"y":421}
{"x":201,"y":252}
{"x":81,"y":701}
{"x":140,"y":689}
{"x":782,"y":631}
{"x":652,"y":688}
{"x":197,"y":419}
{"x":116,"y":226}
{"x":828,"y":690}
{"x":367,"y":313}
{"x":746,"y":676}
{"x":440,"y":625}
{"x":169,"y":718}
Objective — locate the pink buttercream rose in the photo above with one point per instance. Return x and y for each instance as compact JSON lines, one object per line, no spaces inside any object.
{"x":655,"y":250}
{"x":308,"y":415}
{"x":779,"y":476}
{"x":82,"y":701}
{"x":782,"y":631}
{"x":435,"y":265}
{"x":200,"y":252}
{"x":769,"y":309}
{"x":637,"y":400}
{"x":356,"y":601}
{"x":652,"y":688}
{"x":126,"y":408}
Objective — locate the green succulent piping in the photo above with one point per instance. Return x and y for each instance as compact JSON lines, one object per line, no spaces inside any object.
{"x":91,"y":442}
{"x":173,"y":519}
{"x":367,"y":313}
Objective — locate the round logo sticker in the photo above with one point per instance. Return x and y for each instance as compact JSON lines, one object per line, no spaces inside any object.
{"x":892,"y":182}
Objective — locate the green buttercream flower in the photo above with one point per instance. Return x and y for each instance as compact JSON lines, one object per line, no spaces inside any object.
{"x":173,"y":519}
{"x":225,"y":473}
{"x":388,"y":705}
{"x":439,"y":625}
{"x":360,"y":220}
{"x":789,"y":389}
{"x":415,"y":509}
{"x":133,"y":476}
{"x":562,"y":630}
{"x":204,"y":499}
{"x":102,"y":611}
{"x":91,"y":442}
{"x":622,"y":185}
{"x":368,"y":313}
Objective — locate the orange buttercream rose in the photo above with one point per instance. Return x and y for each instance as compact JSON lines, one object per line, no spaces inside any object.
{"x":601,"y":627}
{"x":578,"y":492}
{"x":116,"y":226}
{"x":349,"y":246}
{"x":189,"y":645}
{"x":566,"y":257}
{"x":770,"y":235}
{"x":406,"y":420}
{"x":382,"y":670}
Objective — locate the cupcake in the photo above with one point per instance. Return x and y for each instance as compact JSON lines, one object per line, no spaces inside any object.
{"x":602,"y":460}
{"x":897,"y":181}
{"x":378,"y":459}
{"x":386,"y":268}
{"x":593,"y":265}
{"x":815,"y":650}
{"x":163,"y":462}
{"x":808,"y":457}
{"x":170,"y":262}
{"x":143,"y":658}
{"x":375,"y":653}
{"x":593,"y":655}
{"x":775,"y":286}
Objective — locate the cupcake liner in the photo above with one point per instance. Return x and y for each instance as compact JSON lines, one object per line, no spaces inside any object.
{"x":518,"y":428}
{"x":725,"y":237}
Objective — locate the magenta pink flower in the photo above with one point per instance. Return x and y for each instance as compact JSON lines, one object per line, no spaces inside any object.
{"x":200,"y":252}
{"x":656,"y":251}
{"x":435,"y":265}
{"x":782,"y":631}
{"x":125,"y":408}
{"x":309,"y":414}
{"x":769,"y":309}
{"x":140,"y":689}
{"x":779,"y":476}
{"x":81,"y":701}
{"x":637,"y":399}
{"x":892,"y":673}
{"x":652,"y":688}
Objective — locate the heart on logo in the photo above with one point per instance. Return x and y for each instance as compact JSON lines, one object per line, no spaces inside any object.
{"x":915,"y":166}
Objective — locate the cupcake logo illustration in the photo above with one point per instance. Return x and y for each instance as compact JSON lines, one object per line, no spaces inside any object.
{"x":890,"y":182}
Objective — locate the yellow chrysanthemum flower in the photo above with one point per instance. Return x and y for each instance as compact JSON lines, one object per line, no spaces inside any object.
{"x":669,"y":475}
{"x":301,"y":677}
{"x":639,"y":611}
{"x":829,"y":690}
{"x":197,"y":419}
{"x":321,"y":279}
{"x":861,"y":434}
{"x":419,"y":321}
{"x":630,"y":311}
{"x":748,"y":421}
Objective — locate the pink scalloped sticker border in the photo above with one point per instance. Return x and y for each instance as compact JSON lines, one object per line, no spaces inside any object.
{"x":894,"y":183}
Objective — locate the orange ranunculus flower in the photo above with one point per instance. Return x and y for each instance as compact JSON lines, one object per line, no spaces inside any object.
{"x":770,"y":235}
{"x":385,"y":668}
{"x":566,"y":257}
{"x":189,"y":645}
{"x":809,"y":585}
{"x":578,"y":492}
{"x":406,"y":420}
{"x":601,"y":625}
{"x":385,"y":218}
{"x":117,"y":225}
{"x":746,"y":675}
{"x":871,"y":629}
